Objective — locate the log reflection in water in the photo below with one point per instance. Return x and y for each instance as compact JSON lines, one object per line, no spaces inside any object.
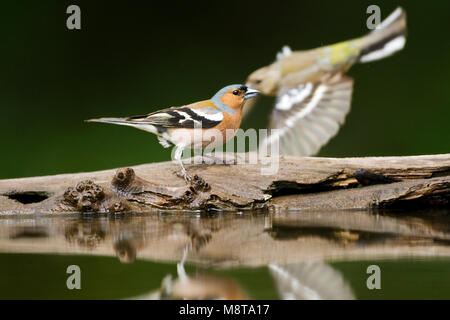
{"x":231,"y":239}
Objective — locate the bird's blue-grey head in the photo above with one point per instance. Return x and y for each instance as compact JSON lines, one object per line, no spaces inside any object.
{"x":235,"y":89}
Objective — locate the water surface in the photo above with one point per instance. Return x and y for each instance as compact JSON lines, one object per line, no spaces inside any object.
{"x":283,"y":255}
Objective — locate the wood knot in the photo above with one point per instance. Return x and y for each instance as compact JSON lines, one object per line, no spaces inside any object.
{"x":86,"y":196}
{"x":119,"y":206}
{"x":123,"y":178}
{"x":85,"y":235}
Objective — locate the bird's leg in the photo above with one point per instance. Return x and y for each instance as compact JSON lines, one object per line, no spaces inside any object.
{"x":196,"y":184}
{"x":184,"y":173}
{"x":180,"y":266}
{"x":177,"y":156}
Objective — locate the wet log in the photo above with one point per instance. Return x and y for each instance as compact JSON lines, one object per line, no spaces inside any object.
{"x":298,"y":183}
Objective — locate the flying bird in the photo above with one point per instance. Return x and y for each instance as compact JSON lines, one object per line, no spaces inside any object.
{"x":197,"y":125}
{"x":313,"y":94}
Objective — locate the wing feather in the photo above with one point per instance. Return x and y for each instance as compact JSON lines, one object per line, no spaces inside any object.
{"x":175,"y":117}
{"x":308,"y":116}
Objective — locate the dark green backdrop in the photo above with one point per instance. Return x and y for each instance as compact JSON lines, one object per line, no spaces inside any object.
{"x":133,"y":57}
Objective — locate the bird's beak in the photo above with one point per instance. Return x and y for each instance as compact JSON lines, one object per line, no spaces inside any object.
{"x":250,"y":93}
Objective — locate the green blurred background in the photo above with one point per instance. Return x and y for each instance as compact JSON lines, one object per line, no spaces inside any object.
{"x":134,"y":57}
{"x":38,"y":276}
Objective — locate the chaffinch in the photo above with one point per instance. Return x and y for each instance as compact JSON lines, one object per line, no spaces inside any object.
{"x":313,"y":94}
{"x":195,"y":125}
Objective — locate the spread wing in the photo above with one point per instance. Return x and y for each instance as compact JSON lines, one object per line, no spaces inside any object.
{"x":308,"y":116}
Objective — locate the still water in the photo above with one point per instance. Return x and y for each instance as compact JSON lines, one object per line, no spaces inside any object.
{"x":251,"y":255}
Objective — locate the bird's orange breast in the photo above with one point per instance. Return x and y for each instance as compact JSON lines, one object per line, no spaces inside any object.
{"x":230,"y":121}
{"x":227,"y":129}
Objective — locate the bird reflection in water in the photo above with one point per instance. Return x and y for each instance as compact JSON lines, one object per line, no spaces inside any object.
{"x":310,"y":281}
{"x":196,"y":287}
{"x":301,"y":281}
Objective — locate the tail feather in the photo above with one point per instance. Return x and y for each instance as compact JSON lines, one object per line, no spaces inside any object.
{"x":388,"y":38}
{"x":127,"y":122}
{"x":122,"y":121}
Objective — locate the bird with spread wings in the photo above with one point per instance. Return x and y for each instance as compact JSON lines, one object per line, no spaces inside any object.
{"x":313,"y":94}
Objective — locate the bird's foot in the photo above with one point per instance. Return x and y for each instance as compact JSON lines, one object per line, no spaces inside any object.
{"x":186,"y":176}
{"x":197,"y":185}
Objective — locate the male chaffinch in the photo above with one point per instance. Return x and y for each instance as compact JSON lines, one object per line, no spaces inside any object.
{"x":313,"y":94}
{"x":197,"y":125}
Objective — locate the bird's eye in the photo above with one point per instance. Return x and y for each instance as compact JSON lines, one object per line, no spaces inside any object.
{"x":236,"y":92}
{"x":258,"y":81}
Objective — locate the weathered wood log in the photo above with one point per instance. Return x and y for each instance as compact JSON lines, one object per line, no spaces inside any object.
{"x":299,"y":183}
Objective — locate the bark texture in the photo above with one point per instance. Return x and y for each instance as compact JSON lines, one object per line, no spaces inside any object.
{"x":299,"y":183}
